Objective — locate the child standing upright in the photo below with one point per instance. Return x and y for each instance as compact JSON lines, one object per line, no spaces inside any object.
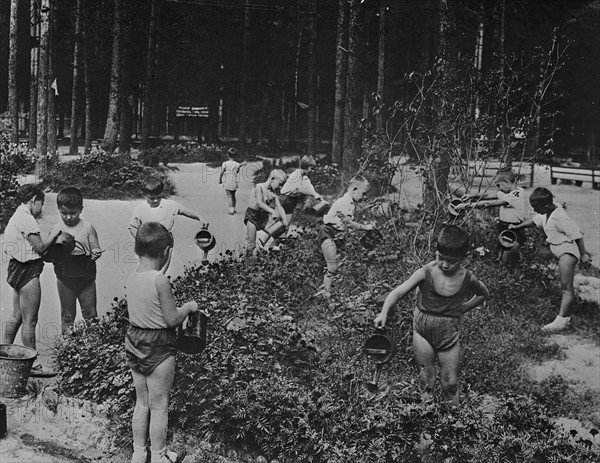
{"x":446,"y":291}
{"x":24,"y":245}
{"x":230,"y":171}
{"x":76,"y":275}
{"x":157,"y":209}
{"x":151,"y":343}
{"x":566,"y":243}
{"x":262,"y":204}
{"x":335,"y":223}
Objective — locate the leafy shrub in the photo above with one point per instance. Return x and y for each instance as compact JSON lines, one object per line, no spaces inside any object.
{"x":183,"y":153}
{"x":102,"y":176}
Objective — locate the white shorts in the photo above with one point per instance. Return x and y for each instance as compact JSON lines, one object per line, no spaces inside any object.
{"x":568,"y":247}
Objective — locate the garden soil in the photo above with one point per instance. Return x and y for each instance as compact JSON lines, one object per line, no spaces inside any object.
{"x":45,"y":428}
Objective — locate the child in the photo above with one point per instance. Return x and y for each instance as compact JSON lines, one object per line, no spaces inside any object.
{"x":263,"y":203}
{"x":336,"y":221}
{"x":24,"y":245}
{"x":443,"y":288}
{"x":150,"y":342}
{"x":76,"y":277}
{"x":566,"y":243}
{"x":230,"y":171}
{"x":156,"y":209}
{"x":513,"y":210}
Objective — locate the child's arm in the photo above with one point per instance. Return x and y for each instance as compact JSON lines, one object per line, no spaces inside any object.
{"x":351,"y":223}
{"x":165,"y":267}
{"x":280,"y":211}
{"x":40,"y":246}
{"x":481,"y":293}
{"x":174,"y":316}
{"x":585,"y":256}
{"x":394,"y":297}
{"x":260,"y":201}
{"x":94,"y":243}
{"x":221,"y":176}
{"x":525,"y":224}
{"x":193,"y":215}
{"x":134,"y":224}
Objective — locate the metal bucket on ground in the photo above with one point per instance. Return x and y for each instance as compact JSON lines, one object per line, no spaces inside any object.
{"x":507,"y":239}
{"x":15,"y":367}
{"x":192,"y":339}
{"x":206,"y":241}
{"x":320,"y":208}
{"x":380,"y":349}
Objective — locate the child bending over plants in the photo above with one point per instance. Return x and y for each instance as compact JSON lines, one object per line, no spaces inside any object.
{"x":445,"y":292}
{"x":566,"y":243}
{"x":150,"y":342}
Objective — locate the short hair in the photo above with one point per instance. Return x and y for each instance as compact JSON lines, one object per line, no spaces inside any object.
{"x":152,"y":186}
{"x":453,"y":241}
{"x":307,"y":161}
{"x":356,"y":181}
{"x":28,"y":191}
{"x":151,"y":239}
{"x":70,"y":197}
{"x":278,"y":174}
{"x":232,"y":152}
{"x":508,"y":173}
{"x":541,"y":196}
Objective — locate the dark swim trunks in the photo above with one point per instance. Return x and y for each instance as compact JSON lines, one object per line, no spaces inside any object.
{"x":330,"y":232}
{"x":77,"y":273}
{"x":145,"y":349}
{"x":21,"y":273}
{"x":258,"y":217}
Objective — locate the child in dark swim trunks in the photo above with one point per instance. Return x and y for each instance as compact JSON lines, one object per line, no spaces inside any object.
{"x":76,"y":275}
{"x":443,"y":288}
{"x":150,"y":342}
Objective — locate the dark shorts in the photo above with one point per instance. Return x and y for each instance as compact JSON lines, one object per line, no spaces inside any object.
{"x":77,"y":273}
{"x":145,"y":349}
{"x":329,"y":232}
{"x":289,"y":203}
{"x":519,"y":232}
{"x":258,"y":217}
{"x":21,"y":273}
{"x":441,"y":333}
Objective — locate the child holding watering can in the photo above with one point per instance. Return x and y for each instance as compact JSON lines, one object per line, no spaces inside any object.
{"x":151,"y":342}
{"x":513,"y":210}
{"x":263,"y":203}
{"x":446,"y":291}
{"x":230,"y":171}
{"x":566,"y":243}
{"x":335,"y":223}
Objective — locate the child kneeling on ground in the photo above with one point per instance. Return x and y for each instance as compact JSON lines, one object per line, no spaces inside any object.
{"x":446,"y":291}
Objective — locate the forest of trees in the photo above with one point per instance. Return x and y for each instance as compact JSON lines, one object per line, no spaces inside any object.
{"x":282,"y":73}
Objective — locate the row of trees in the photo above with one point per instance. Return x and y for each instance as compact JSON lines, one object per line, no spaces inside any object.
{"x":280,"y":71}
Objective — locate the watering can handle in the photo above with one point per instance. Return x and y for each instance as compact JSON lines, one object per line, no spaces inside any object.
{"x":204,"y":226}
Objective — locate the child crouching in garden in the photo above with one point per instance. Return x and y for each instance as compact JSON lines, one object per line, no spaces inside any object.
{"x":566,"y":243}
{"x":150,"y":342}
{"x":443,"y":288}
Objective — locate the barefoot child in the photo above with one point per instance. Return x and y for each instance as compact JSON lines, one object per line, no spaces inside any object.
{"x":24,"y":245}
{"x":230,"y":171}
{"x":336,"y":221}
{"x":566,"y":243}
{"x":76,"y":276}
{"x":150,"y":342}
{"x":446,"y":291}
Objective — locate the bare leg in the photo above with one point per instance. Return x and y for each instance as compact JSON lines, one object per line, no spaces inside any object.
{"x":159,"y":385}
{"x":141,"y":413}
{"x":68,"y":306}
{"x":11,"y":327}
{"x":329,"y":249}
{"x":449,"y":366}
{"x":29,"y":303}
{"x":250,"y":238}
{"x":424,"y":356}
{"x":566,"y":272}
{"x":87,"y":301}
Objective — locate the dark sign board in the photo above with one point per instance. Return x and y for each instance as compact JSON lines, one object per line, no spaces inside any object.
{"x":191,"y":111}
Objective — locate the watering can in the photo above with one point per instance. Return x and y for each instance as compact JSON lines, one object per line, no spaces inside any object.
{"x":320,"y":208}
{"x":507,"y":239}
{"x":192,"y":339}
{"x":61,"y":249}
{"x":205,"y":240}
{"x":379,"y":349}
{"x":276,"y":229}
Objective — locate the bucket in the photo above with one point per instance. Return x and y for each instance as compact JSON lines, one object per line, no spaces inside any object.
{"x":15,"y":367}
{"x":192,"y":339}
{"x":205,"y":240}
{"x":320,"y":208}
{"x":507,"y":239}
{"x":276,"y":229}
{"x":61,"y":249}
{"x":380,"y":349}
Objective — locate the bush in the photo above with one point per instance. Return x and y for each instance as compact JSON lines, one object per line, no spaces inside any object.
{"x":183,"y":153}
{"x":102,"y":176}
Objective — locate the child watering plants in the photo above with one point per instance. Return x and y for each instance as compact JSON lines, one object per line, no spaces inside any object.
{"x":566,"y":243}
{"x":445,"y":292}
{"x":151,"y":342}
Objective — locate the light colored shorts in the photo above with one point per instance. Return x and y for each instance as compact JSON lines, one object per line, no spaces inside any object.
{"x":568,"y":247}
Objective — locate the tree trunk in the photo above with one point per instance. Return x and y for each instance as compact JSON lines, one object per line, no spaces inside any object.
{"x":293,"y":101}
{"x":341,"y":63}
{"x":311,"y":136}
{"x":243,"y":106}
{"x":52,"y":86}
{"x":42,"y":83}
{"x":87,"y":85}
{"x":13,"y":101}
{"x":109,"y":144}
{"x":75,"y":116}
{"x":150,"y":75}
{"x":352,"y":136}
{"x":381,"y":66}
{"x":33,"y":69}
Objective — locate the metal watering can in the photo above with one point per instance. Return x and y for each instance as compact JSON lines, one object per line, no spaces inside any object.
{"x":507,"y":239}
{"x":379,"y":349}
{"x":276,"y":229}
{"x":61,"y":249}
{"x":192,"y":339}
{"x":206,"y":241}
{"x":320,"y":208}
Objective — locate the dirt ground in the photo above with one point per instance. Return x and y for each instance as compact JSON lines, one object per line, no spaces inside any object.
{"x":35,"y":432}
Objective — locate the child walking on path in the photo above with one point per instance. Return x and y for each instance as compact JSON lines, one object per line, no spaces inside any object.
{"x":230,"y":171}
{"x":513,"y":210}
{"x":335,"y":224}
{"x":25,"y":247}
{"x":150,"y":342}
{"x":157,"y":209}
{"x":76,"y":275}
{"x":446,"y":291}
{"x":566,"y":243}
{"x":263,"y":203}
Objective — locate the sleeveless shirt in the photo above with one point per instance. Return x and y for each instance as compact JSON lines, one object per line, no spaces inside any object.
{"x":430,"y":302}
{"x":143,"y":303}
